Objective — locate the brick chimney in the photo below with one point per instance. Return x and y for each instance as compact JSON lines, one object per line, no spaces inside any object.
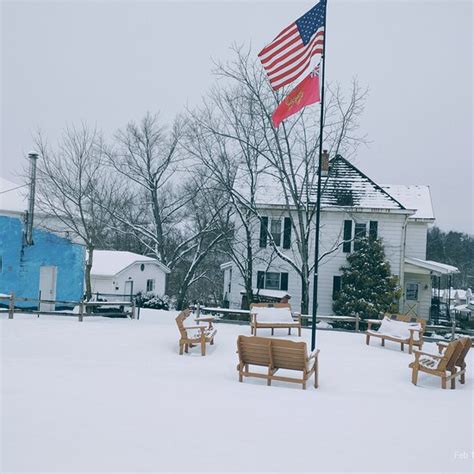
{"x":325,"y":163}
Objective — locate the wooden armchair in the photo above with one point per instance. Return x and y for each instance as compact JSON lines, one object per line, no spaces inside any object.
{"x":461,"y":361}
{"x":443,"y":366}
{"x":191,"y":335}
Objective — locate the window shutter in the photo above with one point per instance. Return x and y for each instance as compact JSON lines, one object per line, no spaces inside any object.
{"x":287,"y":233}
{"x":336,"y":286}
{"x":263,"y":231}
{"x":260,"y":280}
{"x":373,"y":229}
{"x":346,"y":246}
{"x":284,"y":281}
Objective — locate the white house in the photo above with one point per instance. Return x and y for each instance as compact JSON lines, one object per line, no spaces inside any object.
{"x":127,"y":273}
{"x":351,"y":205}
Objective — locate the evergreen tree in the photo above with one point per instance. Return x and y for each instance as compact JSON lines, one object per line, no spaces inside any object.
{"x":368,"y":286}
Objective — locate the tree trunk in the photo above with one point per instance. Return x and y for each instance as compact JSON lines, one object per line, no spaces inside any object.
{"x":90,"y":258}
{"x":181,"y":299}
{"x":304,"y":289}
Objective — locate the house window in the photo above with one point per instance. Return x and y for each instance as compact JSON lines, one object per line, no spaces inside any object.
{"x":150,"y":285}
{"x":272,"y":281}
{"x":360,"y":232}
{"x":275,"y":230}
{"x":412,"y":291}
{"x":142,"y":267}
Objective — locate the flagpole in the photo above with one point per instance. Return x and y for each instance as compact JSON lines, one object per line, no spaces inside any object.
{"x":318,"y":201}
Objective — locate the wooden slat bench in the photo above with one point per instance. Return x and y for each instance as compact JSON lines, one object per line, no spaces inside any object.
{"x":275,"y":354}
{"x":273,"y":316}
{"x":203,"y":334}
{"x":411,"y":334}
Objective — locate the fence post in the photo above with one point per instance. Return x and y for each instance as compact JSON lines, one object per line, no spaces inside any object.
{"x":453,"y":326}
{"x":81,"y":310}
{"x":357,"y":322}
{"x":11,"y":306}
{"x":198,"y":310}
{"x":133,"y":308}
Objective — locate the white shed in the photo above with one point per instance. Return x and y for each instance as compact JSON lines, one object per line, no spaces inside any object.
{"x":124,"y":273}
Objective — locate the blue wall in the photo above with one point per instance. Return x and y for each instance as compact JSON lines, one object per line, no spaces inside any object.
{"x":21,"y":265}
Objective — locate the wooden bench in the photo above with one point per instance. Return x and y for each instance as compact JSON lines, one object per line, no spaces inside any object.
{"x":198,"y":334}
{"x":275,"y":354}
{"x":443,"y":366}
{"x":398,"y":328}
{"x":273,"y":316}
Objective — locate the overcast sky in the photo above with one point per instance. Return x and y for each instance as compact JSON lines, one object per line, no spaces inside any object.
{"x":108,"y":62}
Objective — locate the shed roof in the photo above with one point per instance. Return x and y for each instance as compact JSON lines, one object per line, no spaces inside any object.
{"x":112,"y":262}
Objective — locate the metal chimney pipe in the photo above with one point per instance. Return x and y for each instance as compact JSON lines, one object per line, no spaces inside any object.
{"x":33,"y":156}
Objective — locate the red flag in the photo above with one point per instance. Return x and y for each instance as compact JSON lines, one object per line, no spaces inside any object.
{"x":305,"y":93}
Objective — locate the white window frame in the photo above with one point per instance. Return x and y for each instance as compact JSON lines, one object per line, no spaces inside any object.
{"x":278,"y":240}
{"x":153,"y":284}
{"x":265,"y":286}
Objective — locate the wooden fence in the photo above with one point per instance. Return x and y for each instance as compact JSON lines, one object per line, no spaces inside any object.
{"x":85,"y":307}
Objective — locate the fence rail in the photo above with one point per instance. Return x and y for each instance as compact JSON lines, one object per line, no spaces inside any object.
{"x":83,"y":307}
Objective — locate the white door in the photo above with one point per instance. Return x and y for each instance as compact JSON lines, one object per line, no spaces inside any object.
{"x":128,"y":289}
{"x":412,"y":298}
{"x":47,"y":287}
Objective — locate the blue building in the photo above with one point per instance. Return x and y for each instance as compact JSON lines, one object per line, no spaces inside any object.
{"x":52,"y":267}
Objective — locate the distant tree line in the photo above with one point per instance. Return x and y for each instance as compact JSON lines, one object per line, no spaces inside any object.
{"x":453,"y":248}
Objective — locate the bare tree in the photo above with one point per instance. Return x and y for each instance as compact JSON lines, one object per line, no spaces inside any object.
{"x":73,"y":187}
{"x":285,"y":157}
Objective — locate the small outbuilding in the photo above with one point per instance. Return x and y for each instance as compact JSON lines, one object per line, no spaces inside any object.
{"x":118,"y":273}
{"x":51,"y":268}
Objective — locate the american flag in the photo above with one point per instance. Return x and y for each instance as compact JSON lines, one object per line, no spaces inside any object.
{"x":289,"y":54}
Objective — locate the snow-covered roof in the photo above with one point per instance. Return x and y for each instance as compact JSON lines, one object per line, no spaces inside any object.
{"x":432,"y":266}
{"x":12,"y":196}
{"x":112,"y":262}
{"x":413,"y":196}
{"x":345,"y":186}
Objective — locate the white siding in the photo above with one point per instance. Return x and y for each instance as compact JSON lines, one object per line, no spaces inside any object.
{"x":116,"y":285}
{"x":390,"y":229}
{"x":417,"y":233}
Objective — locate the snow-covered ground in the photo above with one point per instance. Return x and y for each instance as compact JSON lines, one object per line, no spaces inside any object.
{"x":114,"y":395}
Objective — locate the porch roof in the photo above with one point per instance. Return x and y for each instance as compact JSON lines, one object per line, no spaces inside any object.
{"x":417,"y":265}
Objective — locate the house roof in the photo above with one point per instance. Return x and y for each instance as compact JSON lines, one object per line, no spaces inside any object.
{"x":413,"y":196}
{"x":112,"y":262}
{"x":345,"y":186}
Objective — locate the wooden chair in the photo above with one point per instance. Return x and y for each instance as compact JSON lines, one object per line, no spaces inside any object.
{"x":279,"y":319}
{"x":443,"y":366}
{"x":188,"y":338}
{"x":461,"y":361}
{"x":275,"y":354}
{"x":413,"y":337}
